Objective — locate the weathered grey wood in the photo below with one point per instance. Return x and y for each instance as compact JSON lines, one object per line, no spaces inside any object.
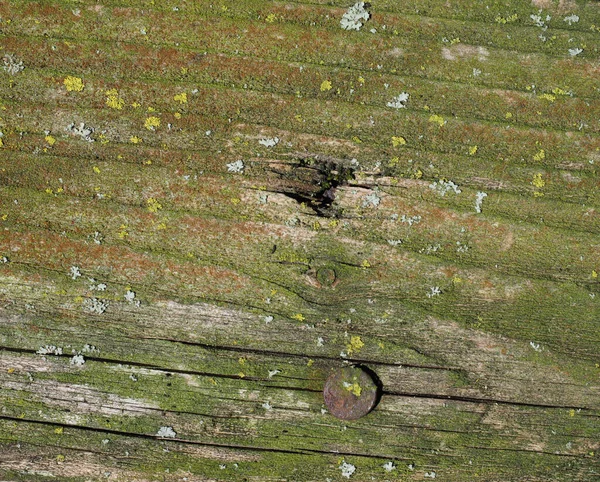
{"x":198,"y":310}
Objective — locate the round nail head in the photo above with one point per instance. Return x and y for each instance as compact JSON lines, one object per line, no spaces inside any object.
{"x":326,"y":276}
{"x":350,"y":393}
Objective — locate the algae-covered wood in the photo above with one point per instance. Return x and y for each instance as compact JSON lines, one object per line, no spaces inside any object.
{"x":208,"y":206}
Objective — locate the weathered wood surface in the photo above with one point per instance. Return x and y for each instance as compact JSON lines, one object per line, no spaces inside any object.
{"x":203,"y":300}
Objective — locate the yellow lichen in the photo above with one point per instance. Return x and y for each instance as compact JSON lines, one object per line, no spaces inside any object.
{"x":437,"y":119}
{"x":505,"y":20}
{"x":181,"y":98}
{"x":472,"y":150}
{"x":355,"y":345}
{"x":271,"y":18}
{"x":353,"y":388}
{"x":538,"y":181}
{"x":122,"y":234}
{"x":73,"y":84}
{"x":548,"y":97}
{"x":540,"y":155}
{"x":135,"y":140}
{"x":152,"y":123}
{"x":298,"y":316}
{"x":153,"y":205}
{"x":325,"y":86}
{"x":49,"y":139}
{"x":113,"y":100}
{"x":96,"y":169}
{"x":398,"y":141}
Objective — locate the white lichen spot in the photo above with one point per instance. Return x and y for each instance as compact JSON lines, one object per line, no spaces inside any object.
{"x":267,"y":406}
{"x":571,"y":19}
{"x":394,"y":242}
{"x":347,"y":469}
{"x":166,"y":432}
{"x":77,"y":360}
{"x":410,"y":220}
{"x":442,"y":187}
{"x":49,"y":350}
{"x":75,"y":273}
{"x":268,"y":319}
{"x":539,"y":21}
{"x":272,"y":373}
{"x":461,"y":248}
{"x":94,"y":305}
{"x":389,"y":466}
{"x":90,"y":349}
{"x":269,"y":141}
{"x":479,"y":200}
{"x":129,"y":296}
{"x":237,"y":166}
{"x":97,"y":237}
{"x":535,"y":346}
{"x":12,"y":65}
{"x":400,"y":101}
{"x":81,"y":130}
{"x":3,"y":260}
{"x":320,"y":341}
{"x":434,"y":291}
{"x":371,"y":199}
{"x":430,"y":475}
{"x":575,"y":51}
{"x":432,"y":248}
{"x":354,"y":18}
{"x":476,"y":72}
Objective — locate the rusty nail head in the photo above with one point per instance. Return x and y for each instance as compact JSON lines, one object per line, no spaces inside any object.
{"x":350,"y":393}
{"x":326,"y":276}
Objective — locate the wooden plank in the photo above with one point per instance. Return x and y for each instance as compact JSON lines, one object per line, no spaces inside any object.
{"x":170,"y":313}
